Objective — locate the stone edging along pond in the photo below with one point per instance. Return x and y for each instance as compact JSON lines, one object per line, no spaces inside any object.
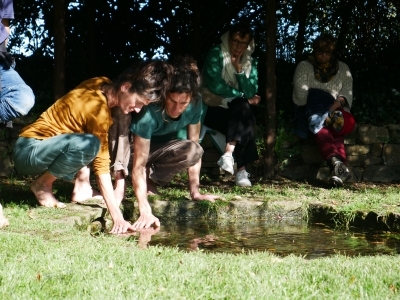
{"x":273,"y":211}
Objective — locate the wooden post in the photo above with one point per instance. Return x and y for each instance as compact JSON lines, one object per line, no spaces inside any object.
{"x":270,"y":90}
{"x":59,"y":48}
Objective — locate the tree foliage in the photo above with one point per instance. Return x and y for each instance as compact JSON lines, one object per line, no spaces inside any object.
{"x":104,"y":37}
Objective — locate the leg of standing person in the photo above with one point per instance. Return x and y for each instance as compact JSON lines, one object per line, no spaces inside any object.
{"x":168,"y":159}
{"x":60,"y":156}
{"x":16,"y":99}
{"x":120,"y":150}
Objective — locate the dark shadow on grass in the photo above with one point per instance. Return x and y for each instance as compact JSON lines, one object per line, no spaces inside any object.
{"x":17,"y":191}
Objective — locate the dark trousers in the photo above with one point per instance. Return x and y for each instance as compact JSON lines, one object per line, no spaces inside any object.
{"x":237,"y":123}
{"x":300,"y":122}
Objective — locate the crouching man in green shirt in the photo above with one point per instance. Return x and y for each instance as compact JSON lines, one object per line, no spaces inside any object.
{"x":158,"y":154}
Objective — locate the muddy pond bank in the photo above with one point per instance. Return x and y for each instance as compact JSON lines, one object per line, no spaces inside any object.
{"x":279,"y":227}
{"x":290,"y":212}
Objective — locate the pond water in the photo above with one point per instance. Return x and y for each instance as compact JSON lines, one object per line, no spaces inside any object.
{"x":281,"y":238}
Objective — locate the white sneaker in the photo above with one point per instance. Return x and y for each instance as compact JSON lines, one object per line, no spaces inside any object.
{"x":226,"y":163}
{"x":242,"y":178}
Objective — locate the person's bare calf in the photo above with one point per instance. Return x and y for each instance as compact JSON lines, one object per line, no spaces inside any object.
{"x":3,"y":220}
{"x":83,"y":190}
{"x":42,"y":188}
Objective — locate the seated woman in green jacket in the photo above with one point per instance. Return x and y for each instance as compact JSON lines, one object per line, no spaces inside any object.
{"x":230,"y":71}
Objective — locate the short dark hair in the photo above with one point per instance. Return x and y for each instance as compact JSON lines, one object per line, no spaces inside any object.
{"x":242,"y":29}
{"x":325,"y":42}
{"x":186,"y":77}
{"x":150,"y":79}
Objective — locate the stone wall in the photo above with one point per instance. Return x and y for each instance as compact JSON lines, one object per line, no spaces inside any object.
{"x":8,"y":137}
{"x":373,"y":156}
{"x":210,"y":157}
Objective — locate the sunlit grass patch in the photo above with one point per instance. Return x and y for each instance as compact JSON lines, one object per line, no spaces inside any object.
{"x":43,"y":257}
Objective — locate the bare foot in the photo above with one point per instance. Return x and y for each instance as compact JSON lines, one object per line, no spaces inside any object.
{"x":82,"y":194}
{"x":152,"y":188}
{"x":45,"y":196}
{"x":3,"y":220}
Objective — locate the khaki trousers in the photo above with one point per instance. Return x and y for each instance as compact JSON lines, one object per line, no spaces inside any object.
{"x":119,"y":141}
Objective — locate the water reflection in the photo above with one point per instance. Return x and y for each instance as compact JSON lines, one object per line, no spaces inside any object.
{"x":310,"y":241}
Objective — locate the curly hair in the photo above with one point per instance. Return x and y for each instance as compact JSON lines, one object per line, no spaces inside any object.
{"x":150,"y":79}
{"x":186,"y":77}
{"x":325,"y":42}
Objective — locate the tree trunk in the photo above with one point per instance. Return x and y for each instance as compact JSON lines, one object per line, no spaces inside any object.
{"x":302,"y":9}
{"x":59,"y":48}
{"x":196,"y":25}
{"x":91,"y":38}
{"x":345,"y":13}
{"x":270,"y":90}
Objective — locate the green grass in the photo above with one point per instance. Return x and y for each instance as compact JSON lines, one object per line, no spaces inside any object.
{"x":74,"y":265}
{"x":41,"y":257}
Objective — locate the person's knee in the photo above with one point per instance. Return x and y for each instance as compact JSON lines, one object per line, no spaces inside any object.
{"x":29,"y":98}
{"x":195,"y":152}
{"x":95,"y":142}
{"x":26,"y":99}
{"x":88,"y":144}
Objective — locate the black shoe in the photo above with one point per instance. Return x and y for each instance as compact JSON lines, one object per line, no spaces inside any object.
{"x":336,"y":181}
{"x":340,"y":172}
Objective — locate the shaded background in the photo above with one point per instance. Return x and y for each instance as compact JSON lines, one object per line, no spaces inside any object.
{"x":59,"y":43}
